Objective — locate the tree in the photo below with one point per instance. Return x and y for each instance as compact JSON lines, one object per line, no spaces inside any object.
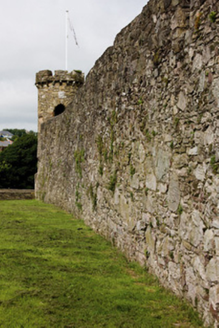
{"x":16,"y":132}
{"x":18,"y":163}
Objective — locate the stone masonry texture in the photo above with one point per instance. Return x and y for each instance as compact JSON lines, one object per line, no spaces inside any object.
{"x":136,"y":152}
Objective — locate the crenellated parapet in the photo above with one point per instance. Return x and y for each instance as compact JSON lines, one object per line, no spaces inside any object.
{"x":55,"y":92}
{"x":60,"y":76}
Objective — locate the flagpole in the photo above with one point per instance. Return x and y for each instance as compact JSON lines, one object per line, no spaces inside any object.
{"x":66,"y":41}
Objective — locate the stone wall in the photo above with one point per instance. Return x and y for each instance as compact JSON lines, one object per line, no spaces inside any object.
{"x":136,"y":155}
{"x":16,"y":194}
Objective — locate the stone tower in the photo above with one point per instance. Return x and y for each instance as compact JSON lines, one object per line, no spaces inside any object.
{"x":55,"y":92}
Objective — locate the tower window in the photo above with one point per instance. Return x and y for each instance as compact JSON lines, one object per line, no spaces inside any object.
{"x":59,"y":110}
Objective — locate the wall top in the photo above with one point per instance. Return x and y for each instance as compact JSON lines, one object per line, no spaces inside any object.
{"x":46,"y":76}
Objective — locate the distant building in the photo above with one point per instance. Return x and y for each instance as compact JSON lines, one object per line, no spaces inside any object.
{"x":6,"y":134}
{"x":7,"y":139}
{"x":5,"y":144}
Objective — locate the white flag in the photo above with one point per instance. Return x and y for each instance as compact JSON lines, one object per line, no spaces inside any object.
{"x":73,"y":31}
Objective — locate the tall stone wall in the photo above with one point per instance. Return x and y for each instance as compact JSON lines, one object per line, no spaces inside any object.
{"x":136,"y":155}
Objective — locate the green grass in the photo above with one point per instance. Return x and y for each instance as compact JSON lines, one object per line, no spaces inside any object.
{"x":56,"y":272}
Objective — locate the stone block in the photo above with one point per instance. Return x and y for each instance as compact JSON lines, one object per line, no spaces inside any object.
{"x":151,"y":182}
{"x":217,"y":245}
{"x":182,"y":101}
{"x":208,"y":241}
{"x":193,"y":151}
{"x":197,"y":62}
{"x":162,"y":164}
{"x":141,"y":151}
{"x":199,"y":267}
{"x":212,"y":270}
{"x":214,"y":301}
{"x":141,"y":225}
{"x":173,"y":197}
{"x":200,"y":172}
{"x":150,"y":241}
{"x":134,"y":181}
{"x":191,"y":228}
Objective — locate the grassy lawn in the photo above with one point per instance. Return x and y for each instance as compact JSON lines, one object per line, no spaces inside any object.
{"x":56,"y":272}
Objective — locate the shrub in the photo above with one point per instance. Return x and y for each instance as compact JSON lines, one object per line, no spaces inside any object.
{"x":212,"y":16}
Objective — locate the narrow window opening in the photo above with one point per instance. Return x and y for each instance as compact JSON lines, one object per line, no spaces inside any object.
{"x":59,"y":110}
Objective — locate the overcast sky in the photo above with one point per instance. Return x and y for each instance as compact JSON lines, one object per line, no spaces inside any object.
{"x":32,"y":38}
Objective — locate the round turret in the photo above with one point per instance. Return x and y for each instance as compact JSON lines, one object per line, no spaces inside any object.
{"x":55,"y":92}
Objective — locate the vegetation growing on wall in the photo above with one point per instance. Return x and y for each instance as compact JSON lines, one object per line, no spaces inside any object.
{"x":79,"y":159}
{"x":214,"y":164}
{"x":212,"y":16}
{"x":78,"y":198}
{"x":113,"y":120}
{"x":112,"y":181}
{"x":132,"y":170}
{"x":198,"y":21}
{"x":93,"y":196}
{"x":100,"y":147}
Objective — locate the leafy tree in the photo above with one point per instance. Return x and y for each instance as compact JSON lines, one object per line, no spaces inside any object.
{"x":18,"y":163}
{"x":16,"y":132}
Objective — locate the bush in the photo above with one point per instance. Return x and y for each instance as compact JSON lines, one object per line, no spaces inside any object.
{"x":18,"y":163}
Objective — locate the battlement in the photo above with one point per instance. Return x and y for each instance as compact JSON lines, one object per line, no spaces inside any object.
{"x":60,"y":76}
